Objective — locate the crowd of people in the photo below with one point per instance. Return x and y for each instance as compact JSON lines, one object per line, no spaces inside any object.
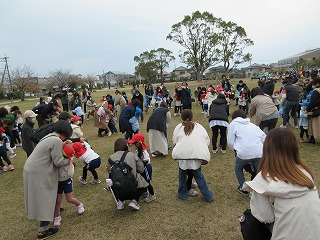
{"x":48,"y":170}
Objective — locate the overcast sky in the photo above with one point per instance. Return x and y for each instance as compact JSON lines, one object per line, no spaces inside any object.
{"x":92,"y":36}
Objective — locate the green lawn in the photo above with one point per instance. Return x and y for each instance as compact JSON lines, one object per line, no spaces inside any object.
{"x":165,"y":218}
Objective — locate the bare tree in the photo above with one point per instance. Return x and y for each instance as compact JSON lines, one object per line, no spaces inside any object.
{"x":23,"y":80}
{"x":60,"y":78}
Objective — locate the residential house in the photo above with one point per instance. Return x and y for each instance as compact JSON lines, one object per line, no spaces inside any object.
{"x":255,"y":70}
{"x":181,"y":73}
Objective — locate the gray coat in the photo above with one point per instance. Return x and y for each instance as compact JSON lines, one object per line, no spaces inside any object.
{"x":41,"y":176}
{"x":133,"y":161}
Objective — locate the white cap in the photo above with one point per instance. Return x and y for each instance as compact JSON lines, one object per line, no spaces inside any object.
{"x":29,"y":113}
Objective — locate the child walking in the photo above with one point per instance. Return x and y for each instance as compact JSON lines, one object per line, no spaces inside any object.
{"x":142,"y":152}
{"x":135,"y":120}
{"x":65,"y":186}
{"x":303,"y":123}
{"x":91,"y":161}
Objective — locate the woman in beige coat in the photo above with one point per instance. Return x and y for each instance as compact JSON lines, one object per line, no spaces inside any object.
{"x":41,"y":177}
{"x":120,"y":146}
{"x":120,"y":100}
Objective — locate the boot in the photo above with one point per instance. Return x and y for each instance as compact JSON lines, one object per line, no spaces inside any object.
{"x":311,"y":140}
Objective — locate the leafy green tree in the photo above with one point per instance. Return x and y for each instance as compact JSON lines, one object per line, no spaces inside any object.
{"x":147,"y":65}
{"x":198,"y":35}
{"x":232,"y":40}
{"x":163,"y":57}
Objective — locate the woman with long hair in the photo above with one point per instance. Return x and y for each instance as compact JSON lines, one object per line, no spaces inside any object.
{"x":284,"y":191}
{"x":191,"y":150}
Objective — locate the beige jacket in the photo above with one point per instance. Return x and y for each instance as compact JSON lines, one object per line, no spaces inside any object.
{"x":261,"y":106}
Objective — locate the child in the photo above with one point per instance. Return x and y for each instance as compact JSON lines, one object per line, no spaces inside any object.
{"x":242,"y":101}
{"x":135,"y":121}
{"x":7,"y":143}
{"x":141,"y":150}
{"x":90,"y":107}
{"x":4,"y":156}
{"x":275,"y":98}
{"x":76,"y":127}
{"x":147,"y":103}
{"x":177,"y":105}
{"x":91,"y":161}
{"x":78,"y":112}
{"x":65,"y":185}
{"x":15,"y":128}
{"x":303,"y":123}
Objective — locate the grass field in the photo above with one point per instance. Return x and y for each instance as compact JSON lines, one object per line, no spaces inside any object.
{"x":165,"y":218}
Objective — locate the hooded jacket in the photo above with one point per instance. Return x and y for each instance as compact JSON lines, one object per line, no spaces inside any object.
{"x":295,"y":210}
{"x":245,"y":138}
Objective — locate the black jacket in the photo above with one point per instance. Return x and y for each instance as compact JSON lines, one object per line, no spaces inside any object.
{"x":158,"y":120}
{"x":268,"y":88}
{"x":26,"y":132}
{"x":218,"y":110}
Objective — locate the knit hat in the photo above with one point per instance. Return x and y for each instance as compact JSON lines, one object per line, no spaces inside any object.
{"x":67,"y":151}
{"x":139,"y":137}
{"x":79,"y":149}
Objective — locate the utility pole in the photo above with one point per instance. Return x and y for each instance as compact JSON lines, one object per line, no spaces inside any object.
{"x":6,"y":71}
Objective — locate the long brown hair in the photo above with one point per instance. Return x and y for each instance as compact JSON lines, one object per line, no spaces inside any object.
{"x":280,"y":159}
{"x":187,"y":116}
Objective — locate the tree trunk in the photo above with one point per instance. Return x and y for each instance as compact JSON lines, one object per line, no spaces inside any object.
{"x":22,"y":95}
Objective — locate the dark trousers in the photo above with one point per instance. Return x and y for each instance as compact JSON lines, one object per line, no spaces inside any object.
{"x":91,"y":166}
{"x":303,"y":131}
{"x":189,"y":179}
{"x":223,"y":136}
{"x":65,"y":107}
{"x":270,"y":124}
{"x":16,"y":136}
{"x":177,"y":109}
{"x":4,"y":156}
{"x":135,"y":195}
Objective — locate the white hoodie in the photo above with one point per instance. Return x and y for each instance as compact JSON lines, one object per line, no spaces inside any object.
{"x":245,"y":138}
{"x":295,"y":210}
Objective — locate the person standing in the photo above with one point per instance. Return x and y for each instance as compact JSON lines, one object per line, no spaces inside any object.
{"x":157,"y":130}
{"x":185,"y":96}
{"x":27,"y":131}
{"x":313,"y":110}
{"x":191,"y":150}
{"x":139,"y":96}
{"x":41,"y":176}
{"x":65,"y":101}
{"x":125,"y":115}
{"x":290,"y":102}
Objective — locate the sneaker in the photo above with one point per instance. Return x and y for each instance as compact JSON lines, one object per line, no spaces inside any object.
{"x":109,"y":134}
{"x":12,"y":155}
{"x":57,"y":221}
{"x":80,"y":209}
{"x":223,"y":151}
{"x":150,"y":198}
{"x":95,"y":181}
{"x":145,"y":195}
{"x":120,"y":205}
{"x":192,"y":192}
{"x":214,"y":151}
{"x":244,"y":193}
{"x":11,"y":167}
{"x":4,"y":168}
{"x":83,"y":181}
{"x":48,"y":233}
{"x":134,"y":205}
{"x":19,"y":145}
{"x":14,"y":147}
{"x":283,"y":126}
{"x":194,"y":185}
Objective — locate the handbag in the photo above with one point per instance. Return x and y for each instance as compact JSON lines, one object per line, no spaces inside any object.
{"x":252,"y":228}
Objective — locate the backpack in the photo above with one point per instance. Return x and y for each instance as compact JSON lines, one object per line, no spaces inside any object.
{"x":38,"y":109}
{"x":41,"y":132}
{"x":252,"y":228}
{"x":124,"y":183}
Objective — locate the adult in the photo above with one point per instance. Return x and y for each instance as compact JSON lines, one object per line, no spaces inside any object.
{"x":191,"y":150}
{"x":218,"y":119}
{"x":264,"y":109}
{"x":139,"y":96}
{"x":65,"y":101}
{"x":120,"y":100}
{"x":268,"y":87}
{"x":290,"y":102}
{"x":185,"y":96}
{"x":27,"y":130}
{"x":48,"y":112}
{"x":157,"y":130}
{"x":246,"y":139}
{"x":225,"y":83}
{"x":127,"y":113}
{"x":41,"y":176}
{"x":314,"y":112}
{"x":284,"y":192}
{"x":120,"y":147}
{"x":75,"y":101}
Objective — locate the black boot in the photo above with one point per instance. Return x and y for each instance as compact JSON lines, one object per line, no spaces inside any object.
{"x":311,"y":140}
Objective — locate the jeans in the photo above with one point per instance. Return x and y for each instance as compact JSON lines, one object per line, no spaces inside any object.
{"x":238,"y":167}
{"x":223,"y":136}
{"x":201,"y":181}
{"x":91,"y":166}
{"x":293,"y":107}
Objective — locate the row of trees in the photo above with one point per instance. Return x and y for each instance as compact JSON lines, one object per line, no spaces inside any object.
{"x":205,"y":40}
